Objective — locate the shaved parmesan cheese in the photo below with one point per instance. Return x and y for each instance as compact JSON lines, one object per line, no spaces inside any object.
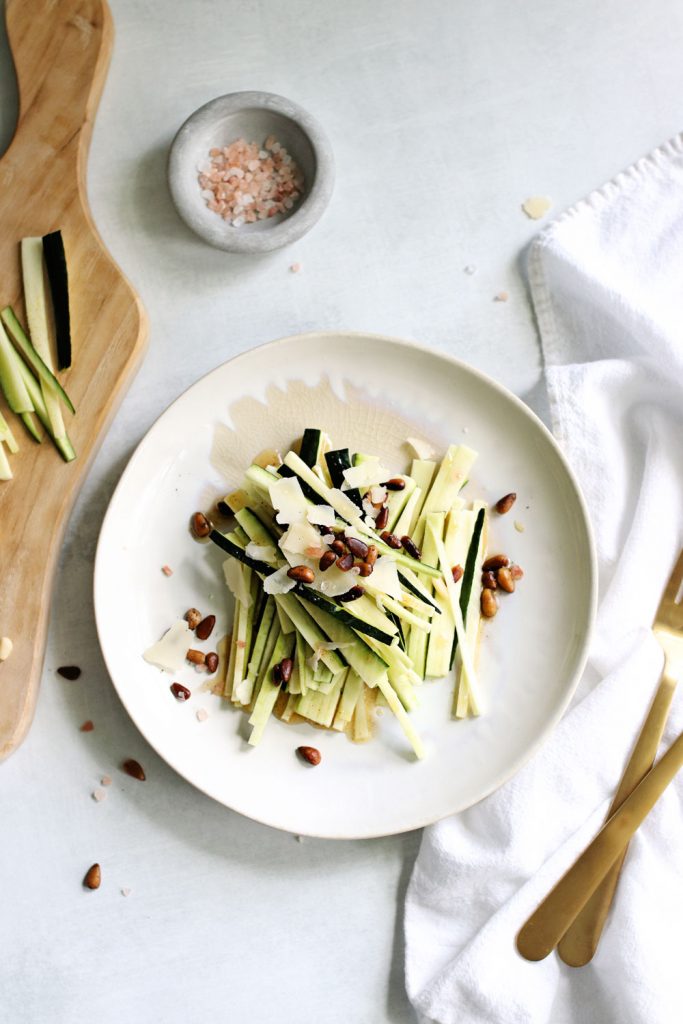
{"x":384,"y":577}
{"x":334,"y":582}
{"x":368,"y":507}
{"x":378,"y":495}
{"x":169,"y":653}
{"x":320,"y":650}
{"x":367,"y":474}
{"x":261,"y":552}
{"x":279,"y":582}
{"x":422,"y":449}
{"x":298,"y":537}
{"x":321,"y":515}
{"x":345,"y":507}
{"x":288,"y":498}
{"x":234,"y":577}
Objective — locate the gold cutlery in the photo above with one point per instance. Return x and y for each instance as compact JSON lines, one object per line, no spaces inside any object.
{"x":574,"y":912}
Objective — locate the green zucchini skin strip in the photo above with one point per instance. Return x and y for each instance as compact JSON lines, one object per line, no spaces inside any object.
{"x":239,"y":554}
{"x":40,"y":368}
{"x":468,"y":575}
{"x":405,"y":582}
{"x":302,"y":591}
{"x":58,"y":278}
{"x":337,"y":461}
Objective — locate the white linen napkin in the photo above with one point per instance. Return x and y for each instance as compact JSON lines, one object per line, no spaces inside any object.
{"x":607,"y":285}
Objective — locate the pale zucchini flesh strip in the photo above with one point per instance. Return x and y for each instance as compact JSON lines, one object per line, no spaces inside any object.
{"x":467,"y":661}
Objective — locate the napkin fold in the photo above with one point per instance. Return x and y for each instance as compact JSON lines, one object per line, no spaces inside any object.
{"x":606,"y":281}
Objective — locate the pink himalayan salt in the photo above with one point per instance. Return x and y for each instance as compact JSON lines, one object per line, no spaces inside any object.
{"x":246,"y":183}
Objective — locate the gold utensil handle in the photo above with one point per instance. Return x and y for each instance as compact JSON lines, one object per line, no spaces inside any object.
{"x":553,"y":916}
{"x":578,"y":945}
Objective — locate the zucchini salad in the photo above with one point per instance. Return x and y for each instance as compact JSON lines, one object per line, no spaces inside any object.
{"x":353,"y":585}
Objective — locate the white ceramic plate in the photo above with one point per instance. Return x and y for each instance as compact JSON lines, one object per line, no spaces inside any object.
{"x":369,"y":393}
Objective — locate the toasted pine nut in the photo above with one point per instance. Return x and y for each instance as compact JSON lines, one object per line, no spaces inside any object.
{"x":457,"y":572}
{"x":357,"y":547}
{"x":211,"y":662}
{"x":201,"y":527}
{"x":338,"y":546}
{"x":495,"y":562}
{"x":196,"y":657}
{"x":352,"y":595}
{"x":310,"y":754}
{"x":395,"y":484}
{"x":505,"y":580}
{"x":371,"y":556}
{"x":205,"y":627}
{"x":505,"y":503}
{"x":366,"y":569}
{"x":326,"y":561}
{"x":411,"y":548}
{"x":488,"y":581}
{"x":489,"y":605}
{"x":345,"y":562}
{"x":391,"y":540}
{"x":286,"y":666}
{"x":301,"y":573}
{"x":382,"y":518}
{"x":194,"y":617}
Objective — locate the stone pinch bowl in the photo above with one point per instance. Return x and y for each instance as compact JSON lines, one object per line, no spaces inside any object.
{"x":252,"y":116}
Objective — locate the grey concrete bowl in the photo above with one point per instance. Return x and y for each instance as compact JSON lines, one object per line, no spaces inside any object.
{"x":251,"y":116}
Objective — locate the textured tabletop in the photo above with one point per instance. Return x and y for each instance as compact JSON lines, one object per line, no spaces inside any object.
{"x":444,"y":118}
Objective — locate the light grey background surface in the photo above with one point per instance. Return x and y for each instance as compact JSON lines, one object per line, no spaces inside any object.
{"x":444,"y":116}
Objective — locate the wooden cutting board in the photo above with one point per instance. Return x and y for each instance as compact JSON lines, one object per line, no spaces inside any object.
{"x":61,"y":53}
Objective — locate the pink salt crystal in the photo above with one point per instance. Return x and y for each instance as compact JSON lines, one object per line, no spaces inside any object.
{"x":167,"y":570}
{"x":270,"y":142}
{"x":214,"y":152}
{"x":202,"y":714}
{"x":125,"y":892}
{"x":106,"y":780}
{"x":501,"y":297}
{"x":99,"y":795}
{"x":295,"y":268}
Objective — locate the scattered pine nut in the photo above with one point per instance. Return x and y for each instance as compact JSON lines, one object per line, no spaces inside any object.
{"x":69,"y":672}
{"x":134,"y":769}
{"x":93,"y":877}
{"x":519,"y":527}
{"x":167,"y":570}
{"x":6,"y":647}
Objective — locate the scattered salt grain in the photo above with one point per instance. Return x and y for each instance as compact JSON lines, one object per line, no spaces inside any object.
{"x":501,"y":297}
{"x":536,"y":207}
{"x":295,"y":268}
{"x":299,"y":839}
{"x":519,"y":527}
{"x":465,"y":430}
{"x":99,"y":794}
{"x":106,"y":780}
{"x":202,"y":714}
{"x":167,"y":570}
{"x":125,"y":892}
{"x":470,"y":269}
